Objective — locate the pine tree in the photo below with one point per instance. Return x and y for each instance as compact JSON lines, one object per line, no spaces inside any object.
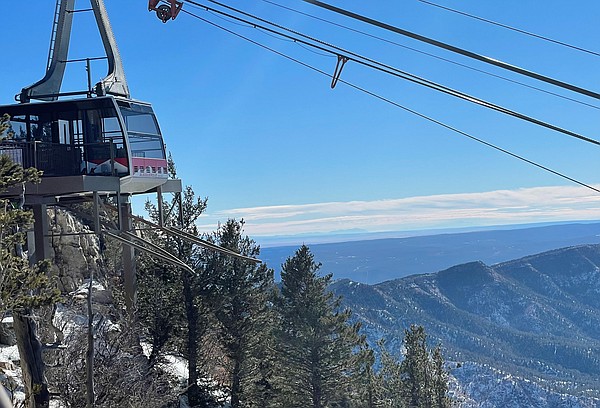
{"x":390,"y":384}
{"x":240,"y":299}
{"x":261,"y":388}
{"x":419,"y":380}
{"x":440,"y":380}
{"x":317,"y":343}
{"x":170,"y":299}
{"x":365,"y":379}
{"x":23,"y":287}
{"x":416,"y":368}
{"x":159,"y":304}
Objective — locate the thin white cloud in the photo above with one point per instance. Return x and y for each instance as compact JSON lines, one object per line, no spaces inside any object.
{"x":539,"y":204}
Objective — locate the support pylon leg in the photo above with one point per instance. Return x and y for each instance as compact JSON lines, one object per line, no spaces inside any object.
{"x":41,"y":247}
{"x":128,"y":256}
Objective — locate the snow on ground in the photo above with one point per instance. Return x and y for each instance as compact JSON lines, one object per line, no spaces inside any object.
{"x":10,"y":372}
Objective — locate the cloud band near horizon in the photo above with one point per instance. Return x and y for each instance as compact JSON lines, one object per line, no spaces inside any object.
{"x":502,"y":207}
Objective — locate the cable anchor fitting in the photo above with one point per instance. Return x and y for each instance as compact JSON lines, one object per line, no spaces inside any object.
{"x":341,"y":61}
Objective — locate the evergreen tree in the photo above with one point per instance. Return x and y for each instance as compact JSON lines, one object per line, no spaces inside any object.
{"x":419,"y":380}
{"x":317,"y":343}
{"x":171,"y":300}
{"x":240,"y":299}
{"x":366,"y":383}
{"x":261,"y":389}
{"x":416,"y":368}
{"x":159,"y":304}
{"x":226,"y":295}
{"x":23,"y":287}
{"x":391,"y":388}
{"x":440,"y":381}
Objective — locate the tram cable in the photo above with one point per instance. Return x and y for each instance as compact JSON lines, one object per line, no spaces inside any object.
{"x":518,"y":30}
{"x":396,"y":104}
{"x":395,"y":43}
{"x":370,"y":63}
{"x":457,"y":50}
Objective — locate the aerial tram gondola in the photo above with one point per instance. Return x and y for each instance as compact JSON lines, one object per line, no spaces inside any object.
{"x":91,"y":144}
{"x":100,"y":131}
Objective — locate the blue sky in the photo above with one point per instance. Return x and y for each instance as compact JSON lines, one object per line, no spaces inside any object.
{"x":267,"y":140}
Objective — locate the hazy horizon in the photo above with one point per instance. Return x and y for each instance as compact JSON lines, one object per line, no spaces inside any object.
{"x":348,"y":236}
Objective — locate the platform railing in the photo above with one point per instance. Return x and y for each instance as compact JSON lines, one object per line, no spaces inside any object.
{"x":57,"y":160}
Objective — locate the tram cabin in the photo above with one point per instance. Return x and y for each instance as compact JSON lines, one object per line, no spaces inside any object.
{"x":103,"y":136}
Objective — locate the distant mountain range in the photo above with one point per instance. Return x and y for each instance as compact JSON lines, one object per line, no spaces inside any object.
{"x":377,"y":260}
{"x":525,"y":332}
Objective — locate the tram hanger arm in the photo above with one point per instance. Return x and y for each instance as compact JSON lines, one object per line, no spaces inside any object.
{"x":48,"y":88}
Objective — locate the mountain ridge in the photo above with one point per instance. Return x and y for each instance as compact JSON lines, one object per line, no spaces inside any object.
{"x":536,"y":317}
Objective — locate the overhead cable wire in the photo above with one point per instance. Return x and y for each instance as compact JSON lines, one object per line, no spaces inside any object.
{"x":329,"y":54}
{"x":396,"y":104}
{"x":365,"y":61}
{"x":458,"y":50}
{"x":274,"y":35}
{"x":518,"y":30}
{"x":395,"y":43}
{"x":231,"y":21}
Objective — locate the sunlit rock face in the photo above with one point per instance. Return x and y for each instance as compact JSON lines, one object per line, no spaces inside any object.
{"x":75,"y":250}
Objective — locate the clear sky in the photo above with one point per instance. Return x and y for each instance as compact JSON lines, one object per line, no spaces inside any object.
{"x":268,"y":140}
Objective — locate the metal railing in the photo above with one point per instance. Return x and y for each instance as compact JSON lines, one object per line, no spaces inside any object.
{"x":57,"y":160}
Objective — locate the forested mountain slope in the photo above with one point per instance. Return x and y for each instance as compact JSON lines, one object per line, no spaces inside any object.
{"x":537,"y":317}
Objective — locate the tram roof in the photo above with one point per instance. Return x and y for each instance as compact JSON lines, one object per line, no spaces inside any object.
{"x":100,"y":102}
